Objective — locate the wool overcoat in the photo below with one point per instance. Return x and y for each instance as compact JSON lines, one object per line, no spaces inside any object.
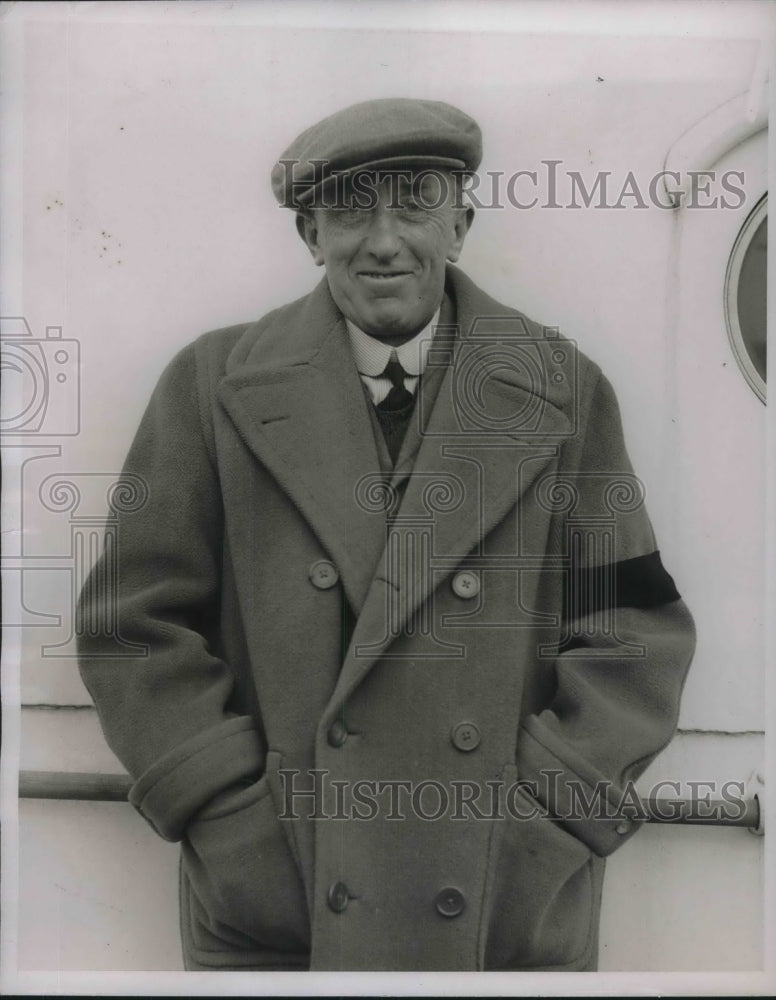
{"x":393,"y":714}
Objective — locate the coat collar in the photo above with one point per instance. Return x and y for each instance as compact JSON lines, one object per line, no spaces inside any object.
{"x":293,"y":392}
{"x":504,"y":405}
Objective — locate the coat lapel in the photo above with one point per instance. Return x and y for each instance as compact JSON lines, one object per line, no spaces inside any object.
{"x":497,"y":422}
{"x":297,"y":401}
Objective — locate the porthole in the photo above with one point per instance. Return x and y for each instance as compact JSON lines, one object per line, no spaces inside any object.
{"x":745,"y":297}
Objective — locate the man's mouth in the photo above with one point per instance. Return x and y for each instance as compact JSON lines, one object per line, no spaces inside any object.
{"x":384,"y":275}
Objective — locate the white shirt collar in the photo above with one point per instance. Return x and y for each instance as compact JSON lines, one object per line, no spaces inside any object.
{"x":372,"y":355}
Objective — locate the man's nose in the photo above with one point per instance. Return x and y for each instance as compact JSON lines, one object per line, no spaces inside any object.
{"x":383,"y":238}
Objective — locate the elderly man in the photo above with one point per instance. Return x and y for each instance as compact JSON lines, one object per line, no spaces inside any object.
{"x":409,"y":638}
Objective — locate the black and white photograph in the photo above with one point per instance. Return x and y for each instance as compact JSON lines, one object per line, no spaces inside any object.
{"x":387,"y":518}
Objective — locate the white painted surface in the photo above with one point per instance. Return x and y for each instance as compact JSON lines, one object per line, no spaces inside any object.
{"x":99,"y":889}
{"x":65,"y":739}
{"x":687,"y":898}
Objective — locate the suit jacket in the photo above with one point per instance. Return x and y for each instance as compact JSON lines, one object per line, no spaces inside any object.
{"x":391,"y":714}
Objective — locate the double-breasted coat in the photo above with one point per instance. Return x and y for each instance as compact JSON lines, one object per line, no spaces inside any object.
{"x":391,"y":713}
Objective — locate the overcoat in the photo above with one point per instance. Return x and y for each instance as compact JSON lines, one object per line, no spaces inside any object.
{"x":393,"y":715}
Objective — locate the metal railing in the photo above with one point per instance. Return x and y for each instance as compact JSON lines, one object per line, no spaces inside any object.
{"x":74,"y":785}
{"x":746,"y":812}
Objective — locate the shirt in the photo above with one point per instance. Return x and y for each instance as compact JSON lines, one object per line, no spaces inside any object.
{"x":372,"y":355}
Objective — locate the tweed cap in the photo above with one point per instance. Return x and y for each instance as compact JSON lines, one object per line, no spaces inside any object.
{"x":376,"y":135}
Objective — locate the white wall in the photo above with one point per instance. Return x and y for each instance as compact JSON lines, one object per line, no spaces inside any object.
{"x":147,"y":218}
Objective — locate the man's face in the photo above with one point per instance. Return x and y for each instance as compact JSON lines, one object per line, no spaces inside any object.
{"x":385,"y":262}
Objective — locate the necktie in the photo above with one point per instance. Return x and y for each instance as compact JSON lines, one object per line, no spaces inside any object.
{"x":398,"y":398}
{"x":395,"y":411}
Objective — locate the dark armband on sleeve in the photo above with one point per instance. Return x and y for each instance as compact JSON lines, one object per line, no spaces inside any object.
{"x":642,"y":582}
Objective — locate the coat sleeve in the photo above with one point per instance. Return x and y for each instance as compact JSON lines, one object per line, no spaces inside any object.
{"x":628,"y":641}
{"x":163,"y":709}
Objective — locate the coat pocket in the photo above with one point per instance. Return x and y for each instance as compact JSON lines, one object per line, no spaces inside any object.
{"x":545,"y":894}
{"x":248,"y":893}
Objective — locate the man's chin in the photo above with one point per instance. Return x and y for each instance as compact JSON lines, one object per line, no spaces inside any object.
{"x":390,"y":324}
{"x":395,"y":334}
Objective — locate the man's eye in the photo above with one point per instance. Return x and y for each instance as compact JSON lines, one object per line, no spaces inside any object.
{"x":350,"y":217}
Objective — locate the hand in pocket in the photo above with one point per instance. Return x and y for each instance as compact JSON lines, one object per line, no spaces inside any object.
{"x":242,"y":871}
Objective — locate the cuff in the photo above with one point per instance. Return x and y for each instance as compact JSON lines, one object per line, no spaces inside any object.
{"x":170,"y":792}
{"x":588,"y":805}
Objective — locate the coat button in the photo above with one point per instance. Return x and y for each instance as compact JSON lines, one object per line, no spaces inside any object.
{"x":337,"y":897}
{"x":623,"y":827}
{"x":465,"y":736}
{"x":466,"y":584}
{"x":323,"y":574}
{"x":450,"y":902}
{"x":337,"y":734}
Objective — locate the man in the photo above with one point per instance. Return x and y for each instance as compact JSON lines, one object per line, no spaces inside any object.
{"x":409,"y":638}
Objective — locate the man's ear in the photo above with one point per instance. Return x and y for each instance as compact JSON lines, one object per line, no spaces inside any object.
{"x":464,"y":217}
{"x":307,"y":227}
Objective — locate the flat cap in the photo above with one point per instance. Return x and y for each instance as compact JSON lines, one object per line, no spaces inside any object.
{"x":376,"y":135}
